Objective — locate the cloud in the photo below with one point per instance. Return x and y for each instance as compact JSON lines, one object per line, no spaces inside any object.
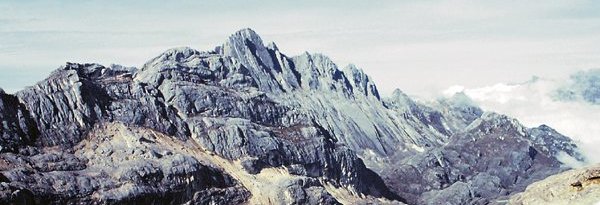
{"x":533,"y":104}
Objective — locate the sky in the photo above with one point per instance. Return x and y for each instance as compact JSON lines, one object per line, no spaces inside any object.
{"x":421,"y":47}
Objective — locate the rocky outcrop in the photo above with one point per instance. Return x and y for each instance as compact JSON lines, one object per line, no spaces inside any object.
{"x":115,"y":165}
{"x":245,"y":123}
{"x":554,"y":144}
{"x":579,"y":186}
{"x":77,"y":96}
{"x":18,"y":129}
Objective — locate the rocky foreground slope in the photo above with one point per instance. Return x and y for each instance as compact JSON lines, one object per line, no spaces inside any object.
{"x":579,"y":186}
{"x":244,"y":123}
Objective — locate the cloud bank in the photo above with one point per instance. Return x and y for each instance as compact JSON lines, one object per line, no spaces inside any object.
{"x":535,"y":103}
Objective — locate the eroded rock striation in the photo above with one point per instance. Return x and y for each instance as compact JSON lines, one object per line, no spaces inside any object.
{"x":244,"y":123}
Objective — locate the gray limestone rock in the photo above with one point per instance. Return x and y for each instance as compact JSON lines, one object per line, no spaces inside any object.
{"x":200,"y":127}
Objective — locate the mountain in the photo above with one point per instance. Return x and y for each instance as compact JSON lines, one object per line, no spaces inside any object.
{"x":244,"y":123}
{"x":491,"y":158}
{"x":583,"y":85}
{"x":538,"y":101}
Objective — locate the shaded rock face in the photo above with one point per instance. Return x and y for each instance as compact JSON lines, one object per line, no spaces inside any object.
{"x":115,"y":166}
{"x":18,"y":127}
{"x":223,"y":126}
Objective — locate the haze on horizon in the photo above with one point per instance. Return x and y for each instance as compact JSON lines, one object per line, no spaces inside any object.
{"x":421,"y":47}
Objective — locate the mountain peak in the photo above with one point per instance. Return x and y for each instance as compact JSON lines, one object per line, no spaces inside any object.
{"x":245,"y":36}
{"x":247,"y":46}
{"x":179,"y":52}
{"x":360,"y":80}
{"x":248,"y":49}
{"x":491,"y":120}
{"x":246,"y":32}
{"x":399,"y":93}
{"x":272,"y":46}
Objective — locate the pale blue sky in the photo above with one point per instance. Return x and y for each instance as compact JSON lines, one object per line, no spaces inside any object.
{"x":421,"y":47}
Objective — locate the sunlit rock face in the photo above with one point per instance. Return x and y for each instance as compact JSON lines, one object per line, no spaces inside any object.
{"x":579,"y":186}
{"x":244,"y":123}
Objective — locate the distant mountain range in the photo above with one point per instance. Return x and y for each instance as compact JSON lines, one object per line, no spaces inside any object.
{"x":244,"y":123}
{"x":583,"y":85}
{"x":567,"y":104}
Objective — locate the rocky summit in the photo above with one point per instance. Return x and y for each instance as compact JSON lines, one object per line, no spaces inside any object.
{"x":244,"y":123}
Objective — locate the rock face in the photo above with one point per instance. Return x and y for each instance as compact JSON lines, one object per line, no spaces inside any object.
{"x":245,"y":123}
{"x":580,"y":186}
{"x":18,"y":127}
{"x":115,"y":164}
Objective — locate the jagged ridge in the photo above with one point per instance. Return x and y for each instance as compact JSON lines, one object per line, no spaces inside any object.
{"x":245,"y":109}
